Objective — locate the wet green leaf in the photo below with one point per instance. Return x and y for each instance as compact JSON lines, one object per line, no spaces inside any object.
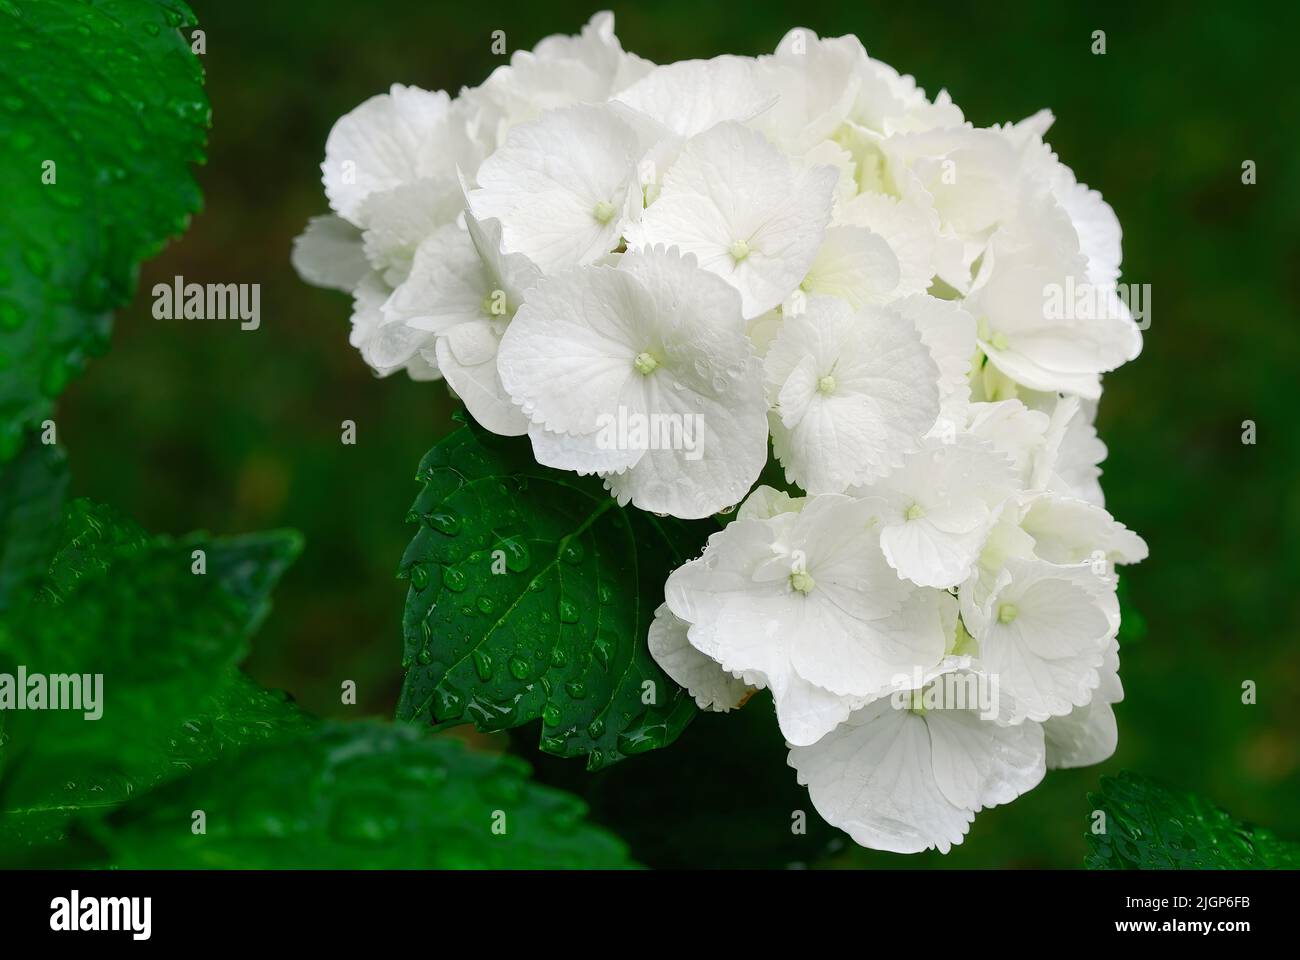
{"x":154,"y":642}
{"x":360,"y":795}
{"x":531,"y":594}
{"x":1151,"y":827}
{"x":31,"y":499}
{"x":102,"y":111}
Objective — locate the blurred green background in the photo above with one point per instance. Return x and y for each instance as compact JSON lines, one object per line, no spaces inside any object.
{"x":195,"y":424}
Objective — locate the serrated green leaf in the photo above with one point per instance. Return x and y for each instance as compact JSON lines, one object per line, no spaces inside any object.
{"x":1151,"y":827}
{"x":531,"y":594}
{"x":31,"y":503}
{"x":93,"y":537}
{"x":163,"y":638}
{"x":102,"y":111}
{"x":238,"y":714}
{"x":360,"y":795}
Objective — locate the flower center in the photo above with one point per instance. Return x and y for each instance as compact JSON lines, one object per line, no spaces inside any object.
{"x":826,"y":384}
{"x":1008,"y":612}
{"x":801,"y":581}
{"x":603,"y":212}
{"x":739,"y":250}
{"x":645,"y":364}
{"x":914,"y":512}
{"x":494,"y":303}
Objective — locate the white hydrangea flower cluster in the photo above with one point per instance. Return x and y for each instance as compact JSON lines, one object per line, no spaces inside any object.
{"x":807,"y":247}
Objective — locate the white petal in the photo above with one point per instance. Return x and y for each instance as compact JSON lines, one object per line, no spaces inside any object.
{"x":690,"y":96}
{"x":584,"y":454}
{"x":947,"y":496}
{"x":948,"y":331}
{"x":467,"y":356}
{"x":1066,"y":530}
{"x":1084,"y":736}
{"x":711,"y":686}
{"x":729,"y":186}
{"x":1088,"y":734}
{"x":564,"y":187}
{"x":447,"y":285}
{"x":928,"y":556}
{"x":979,"y":763}
{"x":856,"y":265}
{"x":874,"y":778}
{"x":568,"y":355}
{"x":391,"y":139}
{"x":855,"y":393}
{"x":1047,"y":657}
{"x":1014,"y":430}
{"x":329,"y":254}
{"x":911,"y":231}
{"x":854,"y":657}
{"x":399,"y":219}
{"x":766,"y":502}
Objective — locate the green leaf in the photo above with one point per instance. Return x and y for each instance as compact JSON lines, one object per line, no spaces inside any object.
{"x":236,"y":715}
{"x":102,"y":111}
{"x":31,"y":502}
{"x":1151,"y":827}
{"x":129,"y":609}
{"x":361,"y":795}
{"x":531,"y":594}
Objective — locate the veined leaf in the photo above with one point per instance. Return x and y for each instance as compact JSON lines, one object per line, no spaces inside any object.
{"x":151,"y":640}
{"x":1151,"y":827}
{"x":102,"y":111}
{"x":361,"y":795}
{"x":531,"y":594}
{"x":31,"y":500}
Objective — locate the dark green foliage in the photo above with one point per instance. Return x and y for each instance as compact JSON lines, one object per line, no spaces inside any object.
{"x":102,"y":111}
{"x":354,"y":796}
{"x":1151,"y":827}
{"x":531,"y":594}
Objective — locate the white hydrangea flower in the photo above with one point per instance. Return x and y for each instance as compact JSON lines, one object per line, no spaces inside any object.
{"x":816,"y":81}
{"x":856,"y":265}
{"x":655,"y":341}
{"x":565,"y":187}
{"x":651,"y":271}
{"x":1073,"y":452}
{"x":966,"y":175}
{"x":745,"y":210}
{"x":1029,"y":257}
{"x":1088,"y":734}
{"x":711,"y":686}
{"x":393,"y":140}
{"x":852,"y":393}
{"x":386,"y":346}
{"x":1067,"y":530}
{"x":329,"y":253}
{"x":908,"y":780}
{"x":690,"y":96}
{"x":464,"y":289}
{"x":948,"y":332}
{"x":1015,"y":431}
{"x":559,"y":72}
{"x":1043,"y":631}
{"x":937,"y":508}
{"x":399,"y":220}
{"x":912,"y":231}
{"x":803,"y":603}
